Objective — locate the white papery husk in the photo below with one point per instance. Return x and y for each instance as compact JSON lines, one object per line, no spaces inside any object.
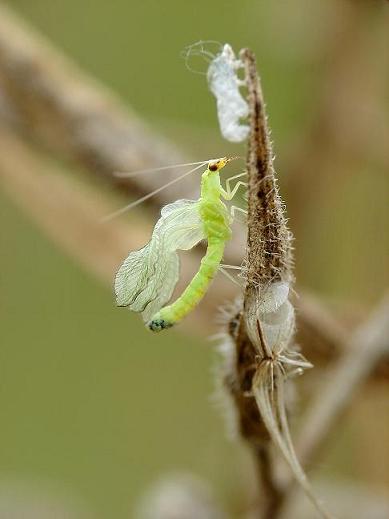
{"x":224,"y":83}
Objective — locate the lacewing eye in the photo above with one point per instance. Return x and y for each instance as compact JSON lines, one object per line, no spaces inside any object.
{"x":213,"y":167}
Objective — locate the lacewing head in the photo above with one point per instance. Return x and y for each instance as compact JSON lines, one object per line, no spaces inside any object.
{"x":218,"y":164}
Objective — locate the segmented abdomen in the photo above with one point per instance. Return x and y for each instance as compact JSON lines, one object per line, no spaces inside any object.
{"x":217,"y":230}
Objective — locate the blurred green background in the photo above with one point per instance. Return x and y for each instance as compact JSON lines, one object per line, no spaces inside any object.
{"x":95,"y":409}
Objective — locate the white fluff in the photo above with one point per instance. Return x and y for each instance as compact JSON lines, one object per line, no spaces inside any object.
{"x":231,"y":105}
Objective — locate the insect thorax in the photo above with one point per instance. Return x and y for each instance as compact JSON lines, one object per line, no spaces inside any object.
{"x":215,"y":219}
{"x":213,"y":212}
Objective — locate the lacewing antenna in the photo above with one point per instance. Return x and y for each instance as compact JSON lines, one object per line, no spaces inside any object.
{"x":129,"y":174}
{"x":149,"y":195}
{"x":199,"y":49}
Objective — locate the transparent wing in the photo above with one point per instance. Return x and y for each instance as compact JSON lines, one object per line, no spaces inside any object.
{"x":146,"y":279}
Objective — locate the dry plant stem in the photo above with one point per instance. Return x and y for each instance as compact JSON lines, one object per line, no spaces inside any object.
{"x":268,"y":262}
{"x":268,"y":242}
{"x":268,"y":259}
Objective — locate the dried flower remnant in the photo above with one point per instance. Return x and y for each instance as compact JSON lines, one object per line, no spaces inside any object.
{"x":270,"y":330}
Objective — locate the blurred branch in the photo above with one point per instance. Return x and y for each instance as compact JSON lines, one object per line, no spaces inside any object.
{"x":64,"y":209}
{"x":364,"y":351}
{"x":325,"y":339}
{"x":349,"y":124}
{"x":51,"y":99}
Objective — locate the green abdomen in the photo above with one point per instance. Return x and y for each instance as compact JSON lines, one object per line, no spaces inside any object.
{"x":217,"y":230}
